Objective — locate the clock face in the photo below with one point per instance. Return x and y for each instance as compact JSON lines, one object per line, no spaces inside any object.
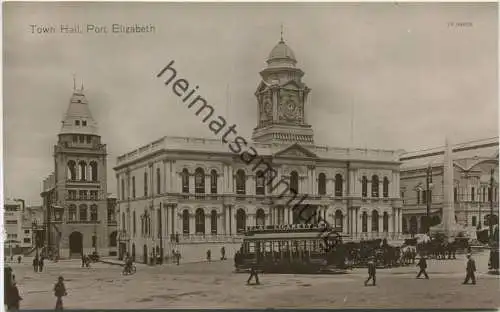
{"x":289,"y":107}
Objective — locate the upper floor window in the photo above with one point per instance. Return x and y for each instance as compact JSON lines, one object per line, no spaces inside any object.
{"x":364,"y":186}
{"x":75,"y":138}
{"x":185,"y":181}
{"x":89,"y":139}
{"x":213,"y":182}
{"x":472,"y":194}
{"x":84,"y":123}
{"x":81,"y":138}
{"x":240,"y":182}
{"x":455,"y":194}
{"x":375,"y":186}
{"x":321,"y":184}
{"x":338,"y":185}
{"x":199,"y":181}
{"x":385,"y":190}
{"x":145,"y":184}
{"x":259,"y":183}
{"x":123,"y":189}
{"x":133,"y":187}
{"x":77,"y":122}
{"x":418,"y":197}
{"x":294,"y":182}
{"x":158,"y":181}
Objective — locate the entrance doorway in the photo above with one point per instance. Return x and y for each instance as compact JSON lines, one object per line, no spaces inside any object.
{"x":76,"y":244}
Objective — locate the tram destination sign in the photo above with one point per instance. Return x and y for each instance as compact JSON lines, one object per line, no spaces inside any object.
{"x":288,"y":227}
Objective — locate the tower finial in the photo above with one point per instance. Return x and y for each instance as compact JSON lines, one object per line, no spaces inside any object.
{"x":82,"y":86}
{"x":74,"y":82}
{"x":282,"y":33}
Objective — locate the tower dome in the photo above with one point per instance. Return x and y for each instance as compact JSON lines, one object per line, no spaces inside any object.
{"x":281,"y":52}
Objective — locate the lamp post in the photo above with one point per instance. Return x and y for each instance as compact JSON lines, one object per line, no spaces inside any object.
{"x":492,"y":217}
{"x":429,"y":196}
{"x":161,"y":235}
{"x":35,"y":236}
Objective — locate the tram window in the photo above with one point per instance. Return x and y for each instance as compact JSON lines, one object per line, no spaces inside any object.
{"x":268,"y":246}
{"x":251,"y":247}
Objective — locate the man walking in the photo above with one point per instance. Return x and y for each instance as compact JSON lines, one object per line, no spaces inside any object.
{"x":422,"y":264}
{"x":59,"y":292}
{"x":470,"y":270}
{"x":253,"y":272}
{"x":209,"y":255}
{"x":372,"y":271}
{"x":35,"y":264}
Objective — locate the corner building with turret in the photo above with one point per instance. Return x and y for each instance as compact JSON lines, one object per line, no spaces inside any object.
{"x":193,"y":194}
{"x":77,"y":215}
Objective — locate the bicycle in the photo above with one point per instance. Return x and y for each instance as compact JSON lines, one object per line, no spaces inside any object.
{"x":129,"y":270}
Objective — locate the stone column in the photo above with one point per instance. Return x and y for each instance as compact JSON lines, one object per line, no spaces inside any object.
{"x":192,"y":224}
{"x":191,"y":183}
{"x":270,"y":216}
{"x":208,"y":224}
{"x":290,"y":216}
{"x":345,"y":225}
{"x":329,"y":186}
{"x":175,"y":219}
{"x":207,"y":184}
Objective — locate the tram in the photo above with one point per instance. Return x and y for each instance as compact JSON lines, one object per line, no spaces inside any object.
{"x":292,"y":248}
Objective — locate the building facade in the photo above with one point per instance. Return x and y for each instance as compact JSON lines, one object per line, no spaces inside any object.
{"x":474,"y":191}
{"x":75,"y":194}
{"x":13,"y":225}
{"x":195,"y":194}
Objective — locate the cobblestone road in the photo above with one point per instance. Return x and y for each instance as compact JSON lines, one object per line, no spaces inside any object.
{"x":214,"y":285}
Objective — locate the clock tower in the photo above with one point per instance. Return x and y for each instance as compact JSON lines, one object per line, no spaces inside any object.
{"x":281,"y":98}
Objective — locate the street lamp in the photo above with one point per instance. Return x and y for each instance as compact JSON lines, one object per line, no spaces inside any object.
{"x":429,"y":187}
{"x":34,"y":227}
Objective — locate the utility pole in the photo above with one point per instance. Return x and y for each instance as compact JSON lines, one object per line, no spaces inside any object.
{"x":492,"y":217}
{"x":161,"y":235}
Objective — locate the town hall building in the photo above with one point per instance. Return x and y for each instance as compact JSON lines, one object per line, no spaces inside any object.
{"x":194,"y":194}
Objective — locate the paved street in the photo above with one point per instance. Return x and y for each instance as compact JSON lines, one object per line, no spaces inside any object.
{"x":214,"y":285}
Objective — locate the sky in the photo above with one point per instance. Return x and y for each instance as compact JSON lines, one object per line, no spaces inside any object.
{"x":400,"y":75}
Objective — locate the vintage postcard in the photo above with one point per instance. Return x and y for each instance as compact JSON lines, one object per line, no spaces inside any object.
{"x":250,"y":155}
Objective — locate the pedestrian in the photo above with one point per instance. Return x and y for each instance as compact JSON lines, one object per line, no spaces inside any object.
{"x":13,"y":297}
{"x":19,"y":259}
{"x":83,"y":260}
{"x":209,"y":255}
{"x":35,"y":264}
{"x":223,"y":253}
{"x":40,"y":264}
{"x":372,"y":271}
{"x":253,"y":272}
{"x":422,"y":264}
{"x":59,"y":292}
{"x":178,"y":256}
{"x":470,"y":271}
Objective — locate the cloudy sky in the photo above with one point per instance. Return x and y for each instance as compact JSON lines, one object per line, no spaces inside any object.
{"x":406,"y":72}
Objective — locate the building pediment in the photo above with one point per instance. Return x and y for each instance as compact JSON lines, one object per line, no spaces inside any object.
{"x":296,"y":151}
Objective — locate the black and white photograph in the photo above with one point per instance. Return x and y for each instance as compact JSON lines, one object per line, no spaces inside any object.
{"x":237,"y":155}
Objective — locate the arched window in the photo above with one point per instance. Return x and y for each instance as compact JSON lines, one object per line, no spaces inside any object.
{"x":240,"y":182}
{"x":133,"y":223}
{"x":374,"y":186}
{"x":294,"y":182}
{"x":82,"y":170}
{"x":83,"y":212}
{"x":213,"y":222}
{"x":484,"y":194}
{"x":133,"y":187}
{"x":489,"y":194}
{"x":474,"y":221}
{"x":322,"y":184}
{"x":123,"y":188}
{"x":472,"y":194}
{"x":199,"y":181}
{"x":241,"y":219}
{"x":455,"y":194}
{"x":123,"y":221}
{"x":145,"y":184}
{"x":158,"y":181}
{"x":200,"y":221}
{"x":375,"y":220}
{"x":71,"y":170}
{"x":93,"y":213}
{"x":93,"y":171}
{"x":364,"y":186}
{"x":213,"y":182}
{"x":385,"y":222}
{"x":338,"y":185}
{"x":72,"y":212}
{"x":185,"y":221}
{"x":260,"y":183}
{"x":260,"y":217}
{"x":385,"y":189}
{"x":364,"y":222}
{"x":339,"y":220}
{"x":185,"y":181}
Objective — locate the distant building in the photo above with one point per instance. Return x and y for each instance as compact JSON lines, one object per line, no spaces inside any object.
{"x":74,"y":196}
{"x":13,"y":225}
{"x":193,"y":194}
{"x":473,"y":162}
